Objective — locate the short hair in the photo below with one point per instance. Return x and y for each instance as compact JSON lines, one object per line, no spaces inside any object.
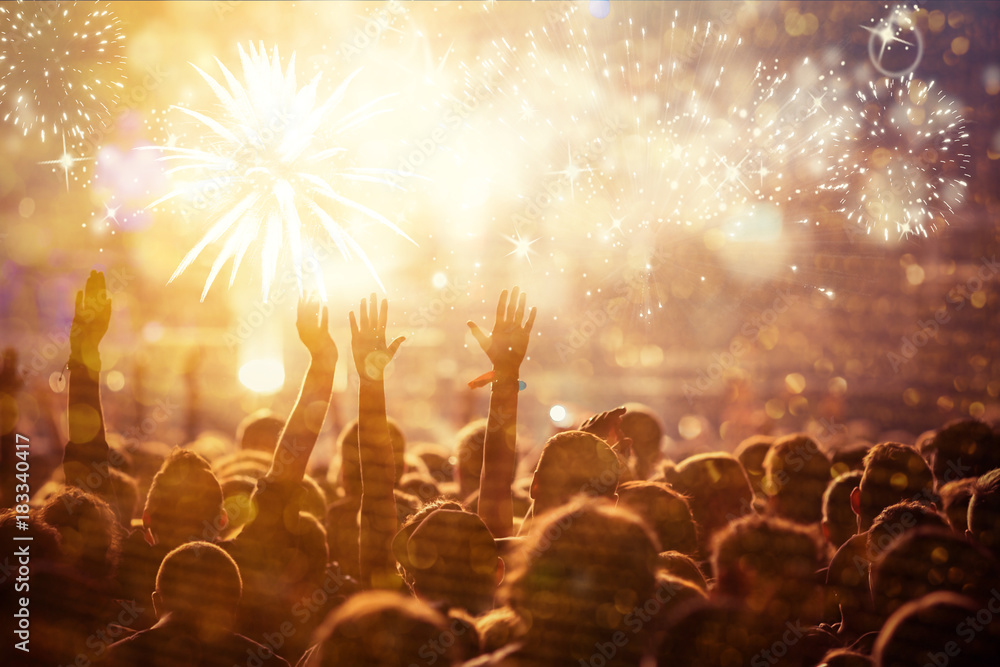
{"x":796,"y":473}
{"x":197,"y":578}
{"x":955,"y":498}
{"x":350,"y":455}
{"x":260,"y":431}
{"x":927,"y":560}
{"x":380,"y":629}
{"x":89,"y":530}
{"x":580,"y":561}
{"x":469,"y":450}
{"x":183,"y":495}
{"x":451,"y":557}
{"x":963,"y":448}
{"x":841,"y":522}
{"x":751,"y":453}
{"x":770,"y":560}
{"x":893,"y":473}
{"x":924,"y":628}
{"x":717,"y":490}
{"x":895,"y":520}
{"x":984,"y":511}
{"x":571,"y":463}
{"x":665,"y":511}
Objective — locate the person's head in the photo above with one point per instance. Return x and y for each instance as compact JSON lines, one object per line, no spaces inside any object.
{"x":451,"y":558}
{"x":850,"y":458}
{"x":184,"y":501}
{"x":717,"y":490}
{"x":350,"y":456}
{"x":939,"y":629}
{"x":963,"y":448}
{"x":895,"y":520}
{"x":770,"y":564}
{"x":955,"y":497}
{"x":893,"y":473}
{"x":665,"y":511}
{"x":926,"y":560}
{"x":984,"y":512}
{"x":646,"y":430}
{"x":436,"y":457}
{"x":199,"y":583}
{"x":715,"y":633}
{"x":572,"y":463}
{"x":89,"y":535}
{"x":751,"y":454}
{"x":259,"y":432}
{"x":839,"y":521}
{"x":383,"y":629}
{"x":578,"y":564}
{"x":796,"y":473}
{"x":469,"y":450}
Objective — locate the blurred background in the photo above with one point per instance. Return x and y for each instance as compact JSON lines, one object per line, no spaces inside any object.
{"x":750,"y":216}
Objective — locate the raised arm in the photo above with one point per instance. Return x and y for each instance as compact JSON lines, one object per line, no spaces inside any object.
{"x":505,"y":347}
{"x":87,"y":446}
{"x":303,"y":426}
{"x":378,"y":475}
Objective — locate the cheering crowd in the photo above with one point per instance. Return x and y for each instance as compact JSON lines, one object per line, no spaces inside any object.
{"x":782,"y":552}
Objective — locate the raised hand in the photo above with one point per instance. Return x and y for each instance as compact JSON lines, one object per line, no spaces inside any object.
{"x":90,"y":319}
{"x":371,"y":354}
{"x":313,"y":325}
{"x":608,"y":427}
{"x":508,"y":343}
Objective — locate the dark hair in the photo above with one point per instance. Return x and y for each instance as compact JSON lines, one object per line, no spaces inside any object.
{"x":198,"y":578}
{"x":893,"y":473}
{"x":796,"y":473}
{"x":380,"y":629}
{"x":571,"y":463}
{"x":665,"y":511}
{"x":184,"y":497}
{"x":984,"y":511}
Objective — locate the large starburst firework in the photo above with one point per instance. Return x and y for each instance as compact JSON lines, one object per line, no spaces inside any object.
{"x":60,"y":66}
{"x":270,"y":168}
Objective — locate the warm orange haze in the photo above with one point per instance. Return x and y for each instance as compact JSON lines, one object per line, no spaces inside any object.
{"x":499,"y":333}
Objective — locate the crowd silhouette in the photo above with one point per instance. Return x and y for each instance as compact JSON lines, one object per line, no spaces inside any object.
{"x":786,"y":551}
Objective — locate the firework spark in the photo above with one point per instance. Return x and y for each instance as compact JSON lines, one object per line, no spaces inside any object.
{"x":60,"y":66}
{"x":904,"y":160}
{"x":270,"y":170}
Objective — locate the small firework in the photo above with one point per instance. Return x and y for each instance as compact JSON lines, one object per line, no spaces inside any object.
{"x":903,"y":161}
{"x":60,"y":66}
{"x":267,"y":175}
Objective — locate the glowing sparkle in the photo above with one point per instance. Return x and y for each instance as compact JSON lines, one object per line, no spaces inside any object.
{"x":66,"y":162}
{"x":522,"y":246}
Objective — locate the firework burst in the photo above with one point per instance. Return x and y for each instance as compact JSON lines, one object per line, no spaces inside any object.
{"x":903,"y":162}
{"x":60,"y":66}
{"x":270,"y":170}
